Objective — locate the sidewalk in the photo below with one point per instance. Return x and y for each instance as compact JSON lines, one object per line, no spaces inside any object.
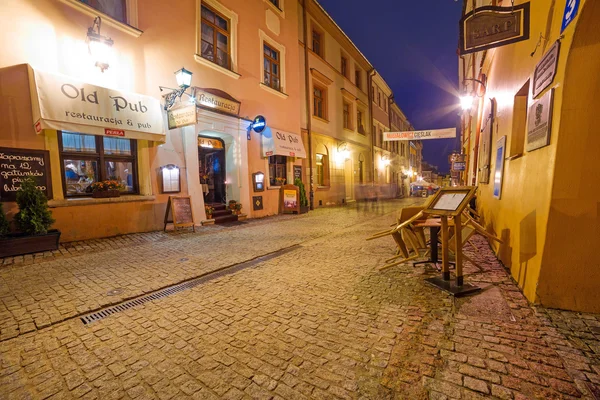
{"x":320,"y":322}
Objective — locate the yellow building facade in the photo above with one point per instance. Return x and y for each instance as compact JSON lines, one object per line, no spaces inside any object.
{"x":542,"y":200}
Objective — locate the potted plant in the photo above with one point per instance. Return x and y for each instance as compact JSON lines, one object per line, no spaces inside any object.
{"x":4,"y":224}
{"x":303,"y":199}
{"x":280,"y":181}
{"x":232,"y":205}
{"x":33,"y":222}
{"x":110,"y":188}
{"x":238,"y":208}
{"x":209,"y":210}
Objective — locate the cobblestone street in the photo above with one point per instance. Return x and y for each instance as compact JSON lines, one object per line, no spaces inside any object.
{"x":318,"y":321}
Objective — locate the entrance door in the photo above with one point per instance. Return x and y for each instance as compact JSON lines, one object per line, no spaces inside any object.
{"x":349,"y":178}
{"x":211,"y":161}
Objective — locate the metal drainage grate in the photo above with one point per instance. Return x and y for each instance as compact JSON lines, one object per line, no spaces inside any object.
{"x":159,"y":294}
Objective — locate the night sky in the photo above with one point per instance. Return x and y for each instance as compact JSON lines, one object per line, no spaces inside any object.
{"x":412,"y":43}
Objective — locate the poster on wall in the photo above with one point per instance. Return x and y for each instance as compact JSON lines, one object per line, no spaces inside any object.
{"x":499,"y":166}
{"x":539,"y":122}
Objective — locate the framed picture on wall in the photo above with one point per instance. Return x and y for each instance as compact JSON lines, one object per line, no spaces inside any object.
{"x":499,"y":166}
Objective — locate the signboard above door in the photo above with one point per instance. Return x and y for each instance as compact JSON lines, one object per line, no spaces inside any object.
{"x":488,"y":27}
{"x":217,"y":100}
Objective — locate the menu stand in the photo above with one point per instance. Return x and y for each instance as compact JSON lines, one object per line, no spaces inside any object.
{"x":450,"y":202}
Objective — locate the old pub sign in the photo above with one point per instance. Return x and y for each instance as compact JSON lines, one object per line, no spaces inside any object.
{"x":488,"y":27}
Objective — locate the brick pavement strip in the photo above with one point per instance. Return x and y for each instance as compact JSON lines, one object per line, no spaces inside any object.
{"x":319,"y":322}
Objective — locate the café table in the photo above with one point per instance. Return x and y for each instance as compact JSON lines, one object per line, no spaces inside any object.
{"x":434,"y":225}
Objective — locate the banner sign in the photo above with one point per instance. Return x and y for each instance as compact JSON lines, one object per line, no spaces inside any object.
{"x":539,"y":122}
{"x":488,"y":27}
{"x":217,"y":100}
{"x":459,"y":166}
{"x":571,"y":9}
{"x":420,"y":135}
{"x":545,"y":70}
{"x":277,"y":142}
{"x":63,"y":103}
{"x":183,"y":116}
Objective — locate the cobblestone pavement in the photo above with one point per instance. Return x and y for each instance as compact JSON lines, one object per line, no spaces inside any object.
{"x":318,"y":322}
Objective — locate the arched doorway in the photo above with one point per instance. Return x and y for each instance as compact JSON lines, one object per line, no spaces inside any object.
{"x":212,"y":169}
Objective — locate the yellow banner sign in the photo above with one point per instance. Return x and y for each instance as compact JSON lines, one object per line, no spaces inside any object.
{"x":183,"y":116}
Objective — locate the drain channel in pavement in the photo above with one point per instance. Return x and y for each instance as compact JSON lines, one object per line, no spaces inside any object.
{"x":164,"y":292}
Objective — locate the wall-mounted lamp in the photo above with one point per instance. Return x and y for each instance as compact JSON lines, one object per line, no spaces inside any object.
{"x":386,"y":160}
{"x":467,"y":100}
{"x":342,"y":151}
{"x":100,"y":47}
{"x":184,"y":81}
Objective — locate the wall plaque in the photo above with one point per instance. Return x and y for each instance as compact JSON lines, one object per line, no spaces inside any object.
{"x":217,"y":100}
{"x":297,"y":172}
{"x":19,"y":164}
{"x":545,"y":70}
{"x":170,"y":179}
{"x":539,"y":122}
{"x":491,"y":26}
{"x":257,"y":203}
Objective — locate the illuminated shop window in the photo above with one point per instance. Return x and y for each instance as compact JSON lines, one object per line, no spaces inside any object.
{"x":277,"y":170}
{"x":86,"y":159}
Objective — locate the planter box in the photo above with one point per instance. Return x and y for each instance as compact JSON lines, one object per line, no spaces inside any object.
{"x":19,"y":243}
{"x":304,"y":209}
{"x":106,"y":193}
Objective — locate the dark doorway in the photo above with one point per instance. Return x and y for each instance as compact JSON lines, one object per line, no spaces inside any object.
{"x":211,"y":161}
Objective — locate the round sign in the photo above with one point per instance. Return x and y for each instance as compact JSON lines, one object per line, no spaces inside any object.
{"x":259,"y":124}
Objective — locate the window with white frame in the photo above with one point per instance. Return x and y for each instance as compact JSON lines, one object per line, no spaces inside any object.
{"x":116,"y":9}
{"x":216,"y":43}
{"x":272,"y":64}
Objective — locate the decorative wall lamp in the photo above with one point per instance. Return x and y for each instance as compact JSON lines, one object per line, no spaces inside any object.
{"x":386,"y":160}
{"x":100,"y":47}
{"x":467,"y":100}
{"x":342,"y":150}
{"x":184,"y":81}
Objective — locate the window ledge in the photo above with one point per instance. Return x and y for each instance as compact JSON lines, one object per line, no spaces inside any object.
{"x":106,"y":19}
{"x":514,"y":157}
{"x":201,"y":60}
{"x":273,"y":91}
{"x":322,"y":187}
{"x":275,"y":8}
{"x":321,"y":119}
{"x":273,"y":187}
{"x":85,"y":201}
{"x":350,"y":130}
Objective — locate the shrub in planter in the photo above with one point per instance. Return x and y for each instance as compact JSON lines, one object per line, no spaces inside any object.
{"x":4,"y":225}
{"x":232,"y":204}
{"x":33,"y":221}
{"x":303,"y":199}
{"x":109,"y":188}
{"x":238,"y":208}
{"x":34,"y":216}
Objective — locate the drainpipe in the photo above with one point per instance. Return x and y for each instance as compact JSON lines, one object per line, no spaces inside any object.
{"x":308,"y":116}
{"x":390,"y":102}
{"x":370,"y":92}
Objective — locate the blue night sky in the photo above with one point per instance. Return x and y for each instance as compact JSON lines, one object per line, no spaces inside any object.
{"x":413,"y":45}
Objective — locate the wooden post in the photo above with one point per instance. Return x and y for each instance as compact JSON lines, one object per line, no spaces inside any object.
{"x":458,"y":250}
{"x":445,"y":253}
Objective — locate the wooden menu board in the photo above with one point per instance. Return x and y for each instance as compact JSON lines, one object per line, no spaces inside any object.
{"x":450,"y":201}
{"x":19,"y":164}
{"x":179,"y":212}
{"x":289,"y":199}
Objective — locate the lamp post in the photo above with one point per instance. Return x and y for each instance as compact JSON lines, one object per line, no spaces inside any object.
{"x":184,"y":81}
{"x":100,"y":47}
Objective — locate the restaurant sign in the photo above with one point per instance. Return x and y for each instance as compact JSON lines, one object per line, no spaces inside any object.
{"x":63,"y":103}
{"x":182,"y":116}
{"x":217,"y":100}
{"x":488,"y":27}
{"x":420,"y":135}
{"x":545,"y":70}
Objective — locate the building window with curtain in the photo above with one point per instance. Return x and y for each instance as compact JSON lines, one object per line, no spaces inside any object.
{"x":344,"y":66}
{"x":86,"y":159}
{"x":317,"y":43}
{"x":357,"y":74}
{"x":275,"y":3}
{"x":319,"y":108}
{"x":215,"y":37}
{"x":277,"y":170}
{"x":359,"y":122}
{"x":272,"y":68}
{"x":116,"y":9}
{"x":347,"y":110}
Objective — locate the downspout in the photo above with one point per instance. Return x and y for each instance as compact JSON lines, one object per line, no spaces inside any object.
{"x":308,"y":116}
{"x":370,"y":93}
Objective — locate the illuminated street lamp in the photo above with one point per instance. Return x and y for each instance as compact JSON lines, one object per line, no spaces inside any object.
{"x":466,"y":102}
{"x":184,"y":78}
{"x":100,"y":47}
{"x":184,"y":81}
